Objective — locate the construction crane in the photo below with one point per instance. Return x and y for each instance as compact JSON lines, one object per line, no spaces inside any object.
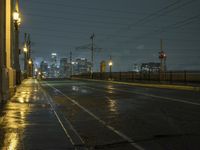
{"x":90,"y":47}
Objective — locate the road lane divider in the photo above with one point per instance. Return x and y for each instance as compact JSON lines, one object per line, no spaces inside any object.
{"x":120,"y":134}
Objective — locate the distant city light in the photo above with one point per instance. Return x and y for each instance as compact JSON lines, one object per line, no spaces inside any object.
{"x":74,"y":63}
{"x":54,"y":54}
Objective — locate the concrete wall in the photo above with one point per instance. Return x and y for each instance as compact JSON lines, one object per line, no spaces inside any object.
{"x":7,"y":73}
{"x":9,"y":47}
{"x":2,"y":45}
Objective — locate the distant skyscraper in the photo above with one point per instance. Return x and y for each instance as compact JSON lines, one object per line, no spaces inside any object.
{"x":81,"y":65}
{"x":63,"y":62}
{"x":44,"y":68}
{"x":136,"y":68}
{"x":53,"y":58}
{"x":54,"y":71}
{"x":64,"y":68}
{"x":151,"y":66}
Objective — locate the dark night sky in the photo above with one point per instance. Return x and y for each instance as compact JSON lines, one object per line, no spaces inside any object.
{"x":129,"y":30}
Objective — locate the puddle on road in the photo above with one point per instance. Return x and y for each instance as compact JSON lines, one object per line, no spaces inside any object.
{"x":112,"y":105}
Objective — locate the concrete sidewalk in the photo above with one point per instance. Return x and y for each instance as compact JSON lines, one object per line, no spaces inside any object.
{"x":28,"y":122}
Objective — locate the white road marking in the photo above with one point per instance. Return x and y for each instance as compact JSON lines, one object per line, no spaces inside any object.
{"x":71,"y":126}
{"x":60,"y":122}
{"x":123,"y":136}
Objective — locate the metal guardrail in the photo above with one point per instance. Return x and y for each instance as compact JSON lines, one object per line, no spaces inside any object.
{"x":169,"y":76}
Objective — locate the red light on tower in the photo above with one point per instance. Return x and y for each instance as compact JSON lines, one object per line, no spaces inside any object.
{"x":162,"y":55}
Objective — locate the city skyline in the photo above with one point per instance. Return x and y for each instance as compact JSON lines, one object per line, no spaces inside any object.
{"x":130,"y":31}
{"x":62,"y":67}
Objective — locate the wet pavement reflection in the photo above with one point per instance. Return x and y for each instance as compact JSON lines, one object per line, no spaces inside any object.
{"x":25,"y":119}
{"x":14,"y":121}
{"x":153,"y":122}
{"x":112,"y":105}
{"x":68,"y":114}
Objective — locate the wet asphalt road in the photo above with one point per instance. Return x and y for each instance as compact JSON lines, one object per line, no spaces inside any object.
{"x":113,"y":116}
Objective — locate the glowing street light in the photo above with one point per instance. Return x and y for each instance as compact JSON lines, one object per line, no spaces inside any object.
{"x":25,"y":49}
{"x":15,"y":15}
{"x":29,"y":62}
{"x":16,"y":19}
{"x":110,"y":63}
{"x":30,"y":67}
{"x":19,"y":21}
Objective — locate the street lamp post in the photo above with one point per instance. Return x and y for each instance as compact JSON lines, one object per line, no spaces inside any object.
{"x":92,"y":53}
{"x":30,"y":66}
{"x":25,"y":58}
{"x":17,"y":21}
{"x":30,"y":62}
{"x":110,"y":63}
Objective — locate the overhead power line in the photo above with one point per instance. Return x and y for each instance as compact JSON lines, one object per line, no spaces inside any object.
{"x":157,"y":14}
{"x":54,"y":30}
{"x":77,"y":20}
{"x":165,"y":10}
{"x":51,"y":37}
{"x":46,"y":3}
{"x":171,"y":27}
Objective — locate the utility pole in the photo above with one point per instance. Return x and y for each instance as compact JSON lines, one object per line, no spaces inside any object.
{"x":29,"y":46}
{"x":162,"y":57}
{"x":92,"y":48}
{"x":28,"y":62}
{"x":110,"y":63}
{"x":25,"y":52}
{"x":92,"y":52}
{"x":70,"y":63}
{"x":16,"y":53}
